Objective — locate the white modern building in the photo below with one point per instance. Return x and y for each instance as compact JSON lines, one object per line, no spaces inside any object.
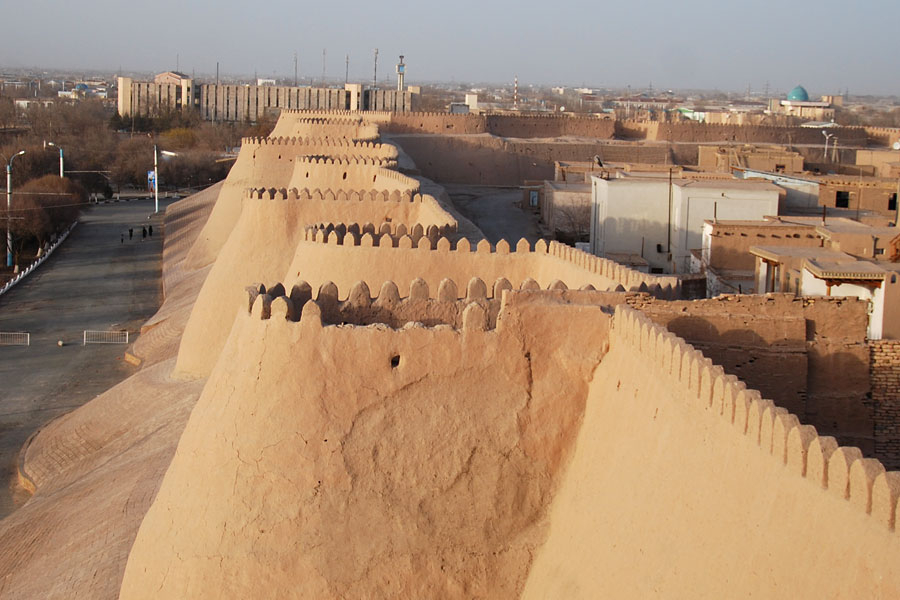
{"x":661,"y":219}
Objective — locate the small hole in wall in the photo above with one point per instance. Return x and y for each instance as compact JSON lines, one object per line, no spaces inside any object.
{"x":395,"y":361}
{"x":279,"y":157}
{"x":345,"y":174}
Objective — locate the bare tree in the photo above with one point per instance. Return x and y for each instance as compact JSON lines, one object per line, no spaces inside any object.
{"x":43,"y":207}
{"x":572,"y":221}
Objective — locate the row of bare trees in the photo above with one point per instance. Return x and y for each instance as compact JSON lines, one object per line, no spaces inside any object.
{"x":103,"y":153}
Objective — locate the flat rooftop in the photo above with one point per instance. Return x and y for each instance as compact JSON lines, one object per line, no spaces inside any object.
{"x":564,"y":186}
{"x":780,"y":253}
{"x":767,"y":222}
{"x":860,"y":269}
{"x":734,"y":184}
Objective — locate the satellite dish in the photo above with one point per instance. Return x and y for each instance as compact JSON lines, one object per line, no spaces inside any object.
{"x":896,"y":145}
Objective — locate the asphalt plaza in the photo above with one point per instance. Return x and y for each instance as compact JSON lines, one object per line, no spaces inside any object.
{"x":94,"y":281}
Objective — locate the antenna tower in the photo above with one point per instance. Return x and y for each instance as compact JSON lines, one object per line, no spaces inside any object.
{"x":375,"y":75}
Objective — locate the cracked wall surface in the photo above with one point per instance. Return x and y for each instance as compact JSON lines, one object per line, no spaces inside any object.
{"x":427,"y":476}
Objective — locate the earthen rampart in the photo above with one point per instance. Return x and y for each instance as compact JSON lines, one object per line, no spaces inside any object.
{"x":748,"y":134}
{"x":425,"y":255}
{"x":862,"y":482}
{"x":882,"y":136}
{"x":272,"y":161}
{"x":295,"y":125}
{"x":370,"y":116}
{"x":474,"y":306}
{"x":338,"y":174}
{"x":426,"y":434}
{"x":775,"y":430}
{"x":725,"y":461}
{"x":388,"y":232}
{"x":335,"y":147}
{"x":269,"y":231}
{"x":481,"y":159}
{"x":398,"y":209}
{"x":512,"y":126}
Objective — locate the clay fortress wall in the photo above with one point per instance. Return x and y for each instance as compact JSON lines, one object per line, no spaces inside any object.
{"x":344,"y":397}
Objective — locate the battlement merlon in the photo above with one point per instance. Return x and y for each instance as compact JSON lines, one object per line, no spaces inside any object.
{"x":625,"y":279}
{"x":317,"y":141}
{"x":473,"y":307}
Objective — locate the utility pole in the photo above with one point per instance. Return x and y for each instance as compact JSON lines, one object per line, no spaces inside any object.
{"x":295,"y":69}
{"x":347,"y":71}
{"x":324,"y":52}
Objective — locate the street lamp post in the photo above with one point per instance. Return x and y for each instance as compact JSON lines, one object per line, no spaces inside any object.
{"x":166,"y":154}
{"x":61,"y":170}
{"x":9,"y":256}
{"x":155,"y":181}
{"x":828,"y":136}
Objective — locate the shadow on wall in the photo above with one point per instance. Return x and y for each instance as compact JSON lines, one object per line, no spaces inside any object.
{"x":476,"y":160}
{"x":828,"y":392}
{"x":637,"y":236}
{"x":778,"y":369}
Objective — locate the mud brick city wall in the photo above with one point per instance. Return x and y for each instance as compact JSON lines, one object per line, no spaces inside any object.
{"x":748,"y":134}
{"x":808,"y":355}
{"x":885,"y":374}
{"x":501,"y":125}
{"x":488,"y":160}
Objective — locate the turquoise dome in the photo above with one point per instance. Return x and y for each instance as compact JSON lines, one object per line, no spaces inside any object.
{"x":798,"y":94}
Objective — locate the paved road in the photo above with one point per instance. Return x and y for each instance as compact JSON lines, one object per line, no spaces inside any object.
{"x":495,"y":211}
{"x":93,"y":281}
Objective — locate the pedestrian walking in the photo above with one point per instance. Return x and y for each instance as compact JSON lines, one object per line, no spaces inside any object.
{"x":151,"y":230}
{"x":130,"y":232}
{"x":143,"y":233}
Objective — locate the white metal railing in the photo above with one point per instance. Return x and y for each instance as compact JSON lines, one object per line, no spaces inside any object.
{"x":104,"y":337}
{"x":15,"y":338}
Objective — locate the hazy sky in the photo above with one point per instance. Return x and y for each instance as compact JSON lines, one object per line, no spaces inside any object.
{"x":827,"y":45}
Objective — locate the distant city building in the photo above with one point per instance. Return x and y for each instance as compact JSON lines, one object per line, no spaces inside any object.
{"x":661,"y":219}
{"x":173,"y":91}
{"x":839,"y":257}
{"x":798,"y":104}
{"x":169,"y":91}
{"x":776,"y":159}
